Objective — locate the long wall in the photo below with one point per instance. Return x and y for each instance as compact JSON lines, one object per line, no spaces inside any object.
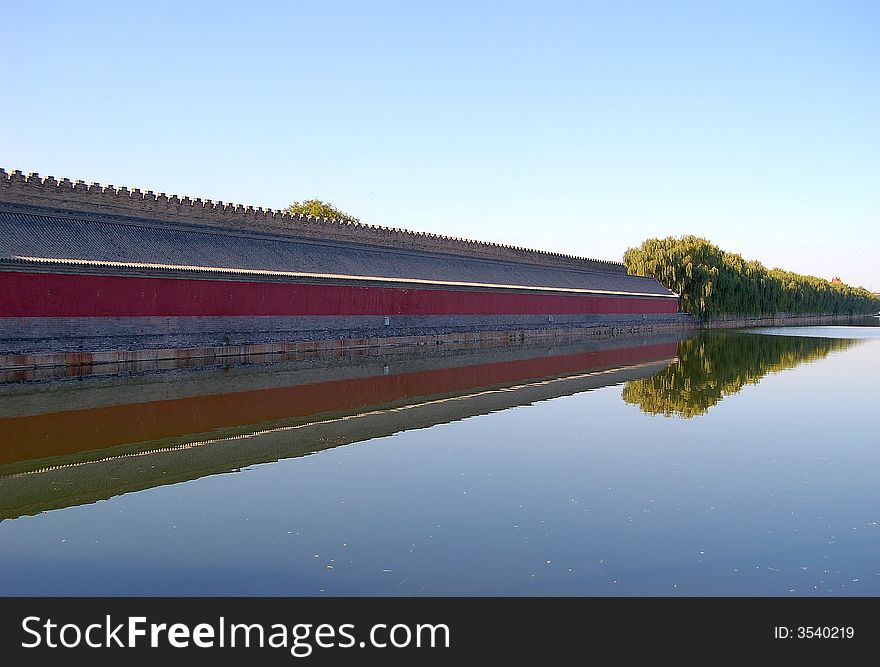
{"x":27,"y":294}
{"x":88,"y":269}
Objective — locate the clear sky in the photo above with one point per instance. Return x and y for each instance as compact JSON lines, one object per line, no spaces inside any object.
{"x":583,"y":127}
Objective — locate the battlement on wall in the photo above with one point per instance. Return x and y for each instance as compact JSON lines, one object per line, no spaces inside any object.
{"x":64,"y":194}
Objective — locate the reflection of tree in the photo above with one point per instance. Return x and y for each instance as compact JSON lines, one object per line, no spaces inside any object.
{"x":714,"y":366}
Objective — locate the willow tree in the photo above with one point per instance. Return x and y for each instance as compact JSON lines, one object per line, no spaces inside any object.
{"x":714,"y":283}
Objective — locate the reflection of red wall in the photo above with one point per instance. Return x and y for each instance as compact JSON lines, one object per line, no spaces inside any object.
{"x":54,"y":434}
{"x":72,"y":295}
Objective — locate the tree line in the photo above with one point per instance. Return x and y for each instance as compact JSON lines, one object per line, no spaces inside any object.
{"x":713,"y":283}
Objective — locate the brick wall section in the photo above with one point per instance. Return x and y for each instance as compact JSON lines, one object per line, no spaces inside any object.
{"x":65,"y":194}
{"x":20,"y":367}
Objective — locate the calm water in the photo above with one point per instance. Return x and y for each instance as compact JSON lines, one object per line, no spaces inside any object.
{"x":727,"y":464}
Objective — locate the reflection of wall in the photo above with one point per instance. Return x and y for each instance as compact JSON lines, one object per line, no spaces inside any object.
{"x":711,"y":367}
{"x":77,"y":456}
{"x":40,"y":436}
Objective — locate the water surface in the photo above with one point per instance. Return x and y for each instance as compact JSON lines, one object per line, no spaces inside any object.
{"x":725,"y":464}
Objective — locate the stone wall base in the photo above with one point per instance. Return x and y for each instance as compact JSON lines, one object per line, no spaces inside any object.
{"x":45,"y":365}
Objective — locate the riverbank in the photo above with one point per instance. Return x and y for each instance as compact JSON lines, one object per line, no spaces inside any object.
{"x":778,"y":320}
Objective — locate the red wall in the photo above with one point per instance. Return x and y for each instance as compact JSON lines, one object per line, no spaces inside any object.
{"x":72,"y":295}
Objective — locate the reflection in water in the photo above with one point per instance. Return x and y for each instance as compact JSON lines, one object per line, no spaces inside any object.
{"x":72,"y":444}
{"x":465,"y":479}
{"x":713,"y":366}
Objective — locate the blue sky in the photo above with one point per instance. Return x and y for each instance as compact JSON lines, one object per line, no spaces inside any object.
{"x":583,"y":127}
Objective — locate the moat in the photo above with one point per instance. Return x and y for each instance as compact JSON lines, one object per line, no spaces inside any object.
{"x":724,"y":464}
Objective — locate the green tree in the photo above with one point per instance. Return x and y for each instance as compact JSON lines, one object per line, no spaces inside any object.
{"x":319,"y":209}
{"x":713,"y":283}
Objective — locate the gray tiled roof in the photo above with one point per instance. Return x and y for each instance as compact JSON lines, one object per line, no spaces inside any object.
{"x":86,"y":238}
